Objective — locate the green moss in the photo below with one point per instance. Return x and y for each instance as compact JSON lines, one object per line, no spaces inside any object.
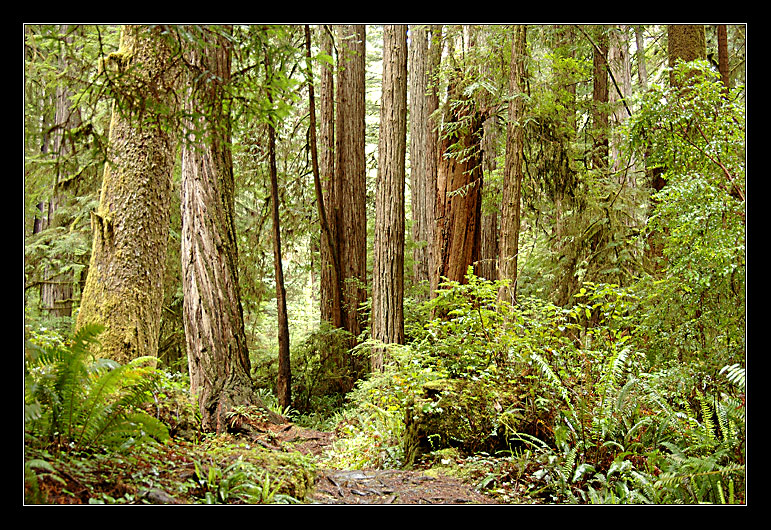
{"x":462,"y":414}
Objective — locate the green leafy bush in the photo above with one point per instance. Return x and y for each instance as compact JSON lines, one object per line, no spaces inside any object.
{"x":696,"y":137}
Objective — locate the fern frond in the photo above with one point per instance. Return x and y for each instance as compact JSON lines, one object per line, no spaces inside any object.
{"x":675,"y":478}
{"x":71,"y":396}
{"x":554,"y":381}
{"x":115,"y":396}
{"x":735,"y":374}
{"x":570,"y":462}
{"x":706,"y":417}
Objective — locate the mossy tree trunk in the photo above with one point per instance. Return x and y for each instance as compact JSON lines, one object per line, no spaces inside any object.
{"x":218,"y":356}
{"x":57,"y":289}
{"x":600,"y":96}
{"x":388,"y":275}
{"x":124,"y":287}
{"x":684,"y":43}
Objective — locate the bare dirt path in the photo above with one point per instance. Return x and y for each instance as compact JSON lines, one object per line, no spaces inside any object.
{"x":373,"y":486}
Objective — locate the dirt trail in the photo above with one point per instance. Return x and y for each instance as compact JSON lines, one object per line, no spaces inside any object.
{"x":390,"y":486}
{"x":372,"y":486}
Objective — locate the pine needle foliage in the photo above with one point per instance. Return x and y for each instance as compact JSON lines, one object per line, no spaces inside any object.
{"x":74,"y":400}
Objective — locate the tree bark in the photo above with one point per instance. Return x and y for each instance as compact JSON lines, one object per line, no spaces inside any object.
{"x":284,"y":380}
{"x":124,"y":287}
{"x":620,"y":65}
{"x":350,"y":176}
{"x":722,"y":55}
{"x":57,"y":289}
{"x":642,"y":66}
{"x":424,"y":41}
{"x":687,"y":43}
{"x":515,"y":142}
{"x":331,"y":271}
{"x":388,"y":275}
{"x":459,"y":185}
{"x":218,"y":356}
{"x":489,"y":246}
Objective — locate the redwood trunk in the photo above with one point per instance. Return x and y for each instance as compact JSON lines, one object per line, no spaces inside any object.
{"x":425,"y":41}
{"x":512,"y":179}
{"x":331,"y":271}
{"x":218,"y":357}
{"x":388,"y":275}
{"x":459,"y":198}
{"x":350,"y":176}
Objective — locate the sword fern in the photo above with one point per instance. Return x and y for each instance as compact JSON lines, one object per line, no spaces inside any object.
{"x":74,"y":400}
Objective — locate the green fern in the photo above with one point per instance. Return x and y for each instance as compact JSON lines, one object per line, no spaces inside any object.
{"x":74,"y":400}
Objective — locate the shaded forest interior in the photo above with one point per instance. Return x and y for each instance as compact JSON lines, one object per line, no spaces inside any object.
{"x":516,"y":247}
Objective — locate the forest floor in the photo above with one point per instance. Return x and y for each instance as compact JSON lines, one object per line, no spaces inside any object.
{"x":375,"y":486}
{"x":169,"y":474}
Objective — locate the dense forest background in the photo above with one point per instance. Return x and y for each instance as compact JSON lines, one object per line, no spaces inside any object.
{"x":525,"y":241}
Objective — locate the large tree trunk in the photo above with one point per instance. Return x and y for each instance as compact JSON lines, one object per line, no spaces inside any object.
{"x":458,"y":209}
{"x":331,"y":272}
{"x":218,"y":357}
{"x":621,"y":67}
{"x":722,"y":55}
{"x":350,"y":176}
{"x":562,"y":246}
{"x":489,"y":246}
{"x":388,"y":275}
{"x":424,"y":42}
{"x":687,"y":43}
{"x":512,"y":179}
{"x":124,"y":287}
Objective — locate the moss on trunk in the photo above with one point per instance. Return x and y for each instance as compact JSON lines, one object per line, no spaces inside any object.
{"x":124,"y":287}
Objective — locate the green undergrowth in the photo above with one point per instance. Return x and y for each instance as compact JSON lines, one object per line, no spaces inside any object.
{"x":564,"y":400}
{"x":97,"y":432}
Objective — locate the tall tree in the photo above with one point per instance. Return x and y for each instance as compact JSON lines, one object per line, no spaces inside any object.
{"x":565,"y":81}
{"x":489,"y":247}
{"x":621,"y":70}
{"x":388,"y":275}
{"x":284,"y":381}
{"x":424,"y":43}
{"x":124,"y":287}
{"x":331,"y":271}
{"x":685,"y":42}
{"x":514,"y":167}
{"x":350,"y":176}
{"x":218,"y":357}
{"x":57,"y":289}
{"x":642,"y":64}
{"x":722,"y":55}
